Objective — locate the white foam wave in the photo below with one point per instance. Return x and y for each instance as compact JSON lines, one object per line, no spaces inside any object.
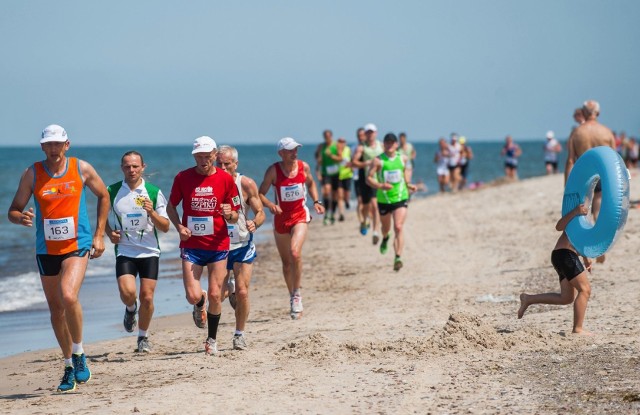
{"x":20,"y":292}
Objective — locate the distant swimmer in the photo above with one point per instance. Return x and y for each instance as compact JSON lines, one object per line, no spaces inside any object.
{"x":441,"y":159}
{"x":573,"y":276}
{"x":242,"y":251}
{"x":327,"y":171}
{"x":391,"y":179}
{"x":64,"y":241}
{"x":209,"y":199}
{"x":584,"y":137}
{"x":363,"y":158}
{"x":291,"y":179}
{"x":511,"y":152}
{"x":140,"y":210}
{"x":551,"y":150}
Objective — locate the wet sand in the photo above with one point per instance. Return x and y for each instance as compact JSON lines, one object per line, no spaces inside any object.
{"x":440,"y":336}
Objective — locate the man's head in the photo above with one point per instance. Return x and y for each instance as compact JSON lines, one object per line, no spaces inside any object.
{"x":390,"y":142}
{"x":204,"y":153}
{"x":578,"y":116}
{"x":453,"y":138}
{"x":288,"y":149}
{"x":402,"y":137}
{"x":360,"y":135}
{"x":328,"y":136}
{"x":132,"y":166}
{"x":54,"y":141}
{"x":370,"y":132}
{"x":550,"y":135}
{"x":591,"y":109}
{"x":227,"y":159}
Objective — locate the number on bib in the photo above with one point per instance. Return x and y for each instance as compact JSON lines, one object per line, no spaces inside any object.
{"x":234,"y":235}
{"x":393,"y":176}
{"x":135,"y":221}
{"x":200,"y":225}
{"x":59,"y":229}
{"x":292,"y":193}
{"x":333,"y":169}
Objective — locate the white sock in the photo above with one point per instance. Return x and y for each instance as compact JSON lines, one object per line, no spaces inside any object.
{"x":239,"y":333}
{"x":142,"y":333}
{"x":77,"y":348}
{"x":132,"y":308}
{"x":68,"y":362}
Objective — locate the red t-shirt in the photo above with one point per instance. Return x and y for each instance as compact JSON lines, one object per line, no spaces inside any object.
{"x":291,"y":192}
{"x":201,"y":197}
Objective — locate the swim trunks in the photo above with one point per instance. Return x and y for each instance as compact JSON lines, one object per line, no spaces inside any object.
{"x":202,"y":257}
{"x":566,"y":263}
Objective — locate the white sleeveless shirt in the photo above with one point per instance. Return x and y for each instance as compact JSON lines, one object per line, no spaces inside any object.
{"x":239,"y":235}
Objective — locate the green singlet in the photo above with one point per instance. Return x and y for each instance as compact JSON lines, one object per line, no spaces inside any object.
{"x":345,"y":172}
{"x":392,"y":171}
{"x":330,"y":167}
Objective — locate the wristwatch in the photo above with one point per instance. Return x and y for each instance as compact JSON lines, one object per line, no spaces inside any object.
{"x":317,"y":202}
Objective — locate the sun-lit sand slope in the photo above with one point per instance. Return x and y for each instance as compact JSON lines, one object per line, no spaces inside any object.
{"x":439,"y":336}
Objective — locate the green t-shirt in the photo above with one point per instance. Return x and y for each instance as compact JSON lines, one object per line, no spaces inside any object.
{"x":392,"y":171}
{"x":330,"y":167}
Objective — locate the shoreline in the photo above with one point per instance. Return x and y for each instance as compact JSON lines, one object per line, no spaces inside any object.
{"x":439,"y":336}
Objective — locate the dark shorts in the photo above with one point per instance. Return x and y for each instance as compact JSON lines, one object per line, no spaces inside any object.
{"x":358,"y":184}
{"x":385,"y":208}
{"x":334,"y":181}
{"x":202,"y":257}
{"x":50,"y":265}
{"x":452,"y":168}
{"x":367,"y":193}
{"x":553,"y":164}
{"x":463,"y":170}
{"x":345,"y":184}
{"x":144,"y":267}
{"x":509,"y":165}
{"x":245,"y":255}
{"x":566,"y":263}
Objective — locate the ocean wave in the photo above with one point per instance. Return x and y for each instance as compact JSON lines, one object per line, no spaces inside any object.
{"x":20,"y":292}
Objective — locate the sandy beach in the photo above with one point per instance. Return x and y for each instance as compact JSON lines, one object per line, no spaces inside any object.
{"x":440,"y":336}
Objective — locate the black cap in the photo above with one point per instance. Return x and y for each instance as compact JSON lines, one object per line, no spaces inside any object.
{"x":390,"y":137}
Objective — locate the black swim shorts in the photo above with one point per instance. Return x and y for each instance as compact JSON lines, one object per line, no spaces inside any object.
{"x":386,"y":208}
{"x":51,"y":265}
{"x":566,"y":263}
{"x":144,"y":267}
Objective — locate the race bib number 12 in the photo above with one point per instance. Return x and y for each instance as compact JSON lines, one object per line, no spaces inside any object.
{"x":134,"y":221}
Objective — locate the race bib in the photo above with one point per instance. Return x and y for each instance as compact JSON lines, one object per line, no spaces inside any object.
{"x":200,"y":225}
{"x":333,"y":169}
{"x":59,"y":229}
{"x":291,"y":193}
{"x":134,"y":222}
{"x":393,"y":176}
{"x":234,"y":236}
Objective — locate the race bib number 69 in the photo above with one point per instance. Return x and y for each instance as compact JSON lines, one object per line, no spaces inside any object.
{"x":200,"y":225}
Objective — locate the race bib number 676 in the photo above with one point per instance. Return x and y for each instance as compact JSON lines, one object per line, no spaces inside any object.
{"x":292,"y":193}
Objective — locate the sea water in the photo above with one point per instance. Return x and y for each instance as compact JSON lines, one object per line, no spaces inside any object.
{"x":24,"y":315}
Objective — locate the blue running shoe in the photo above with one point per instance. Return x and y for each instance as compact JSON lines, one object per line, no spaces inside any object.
{"x":68,"y":382}
{"x":363,"y":229}
{"x":82,"y":372}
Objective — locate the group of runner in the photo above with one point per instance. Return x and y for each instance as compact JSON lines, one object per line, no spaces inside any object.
{"x":221,"y":210}
{"x":452,"y":163}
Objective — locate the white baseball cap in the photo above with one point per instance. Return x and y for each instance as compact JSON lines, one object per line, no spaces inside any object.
{"x":55,"y":133}
{"x":288,"y":143}
{"x":203,"y":144}
{"x":550,"y":134}
{"x":370,"y":127}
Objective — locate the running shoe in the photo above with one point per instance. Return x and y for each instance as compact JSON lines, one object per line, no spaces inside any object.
{"x":200,"y":313}
{"x":332,"y":219}
{"x":239,"y":342}
{"x":80,"y":368}
{"x":341,"y":218}
{"x":384,"y":245}
{"x":130,"y":319}
{"x":68,"y":382}
{"x":397,"y":264}
{"x":143,"y":345}
{"x":210,"y":347}
{"x":296,"y":307}
{"x":363,"y":228}
{"x":376,"y":238}
{"x":325,"y":221}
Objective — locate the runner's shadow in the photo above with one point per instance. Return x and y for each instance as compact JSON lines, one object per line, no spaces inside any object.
{"x":20,"y":396}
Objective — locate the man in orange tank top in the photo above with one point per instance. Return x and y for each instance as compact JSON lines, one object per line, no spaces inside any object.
{"x":64,"y":242}
{"x":291,"y":179}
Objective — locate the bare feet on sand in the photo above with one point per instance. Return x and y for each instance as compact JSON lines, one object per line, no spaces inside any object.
{"x":583,"y":333}
{"x":600,"y":259}
{"x":523,"y":305}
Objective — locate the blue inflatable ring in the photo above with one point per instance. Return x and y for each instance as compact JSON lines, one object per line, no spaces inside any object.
{"x":592,"y":240}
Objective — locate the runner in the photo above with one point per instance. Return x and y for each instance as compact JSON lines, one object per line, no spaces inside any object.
{"x":327,"y":171}
{"x":64,"y":242}
{"x":441,"y":159}
{"x":359,"y":178}
{"x":363,"y":158}
{"x":389,"y":176}
{"x":454,"y":162}
{"x":140,"y":210}
{"x":242,"y":251}
{"x":209,"y":197}
{"x":345,"y":175}
{"x":291,"y":179}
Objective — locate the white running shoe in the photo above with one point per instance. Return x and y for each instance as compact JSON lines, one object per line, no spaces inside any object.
{"x":296,"y":304}
{"x":210,"y":347}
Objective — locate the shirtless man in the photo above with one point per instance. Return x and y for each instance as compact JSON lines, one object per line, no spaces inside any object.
{"x":242,"y":251}
{"x":291,"y":179}
{"x":586,"y":136}
{"x":64,"y":242}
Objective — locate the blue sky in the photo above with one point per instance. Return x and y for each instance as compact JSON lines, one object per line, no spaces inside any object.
{"x":254,"y":71}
